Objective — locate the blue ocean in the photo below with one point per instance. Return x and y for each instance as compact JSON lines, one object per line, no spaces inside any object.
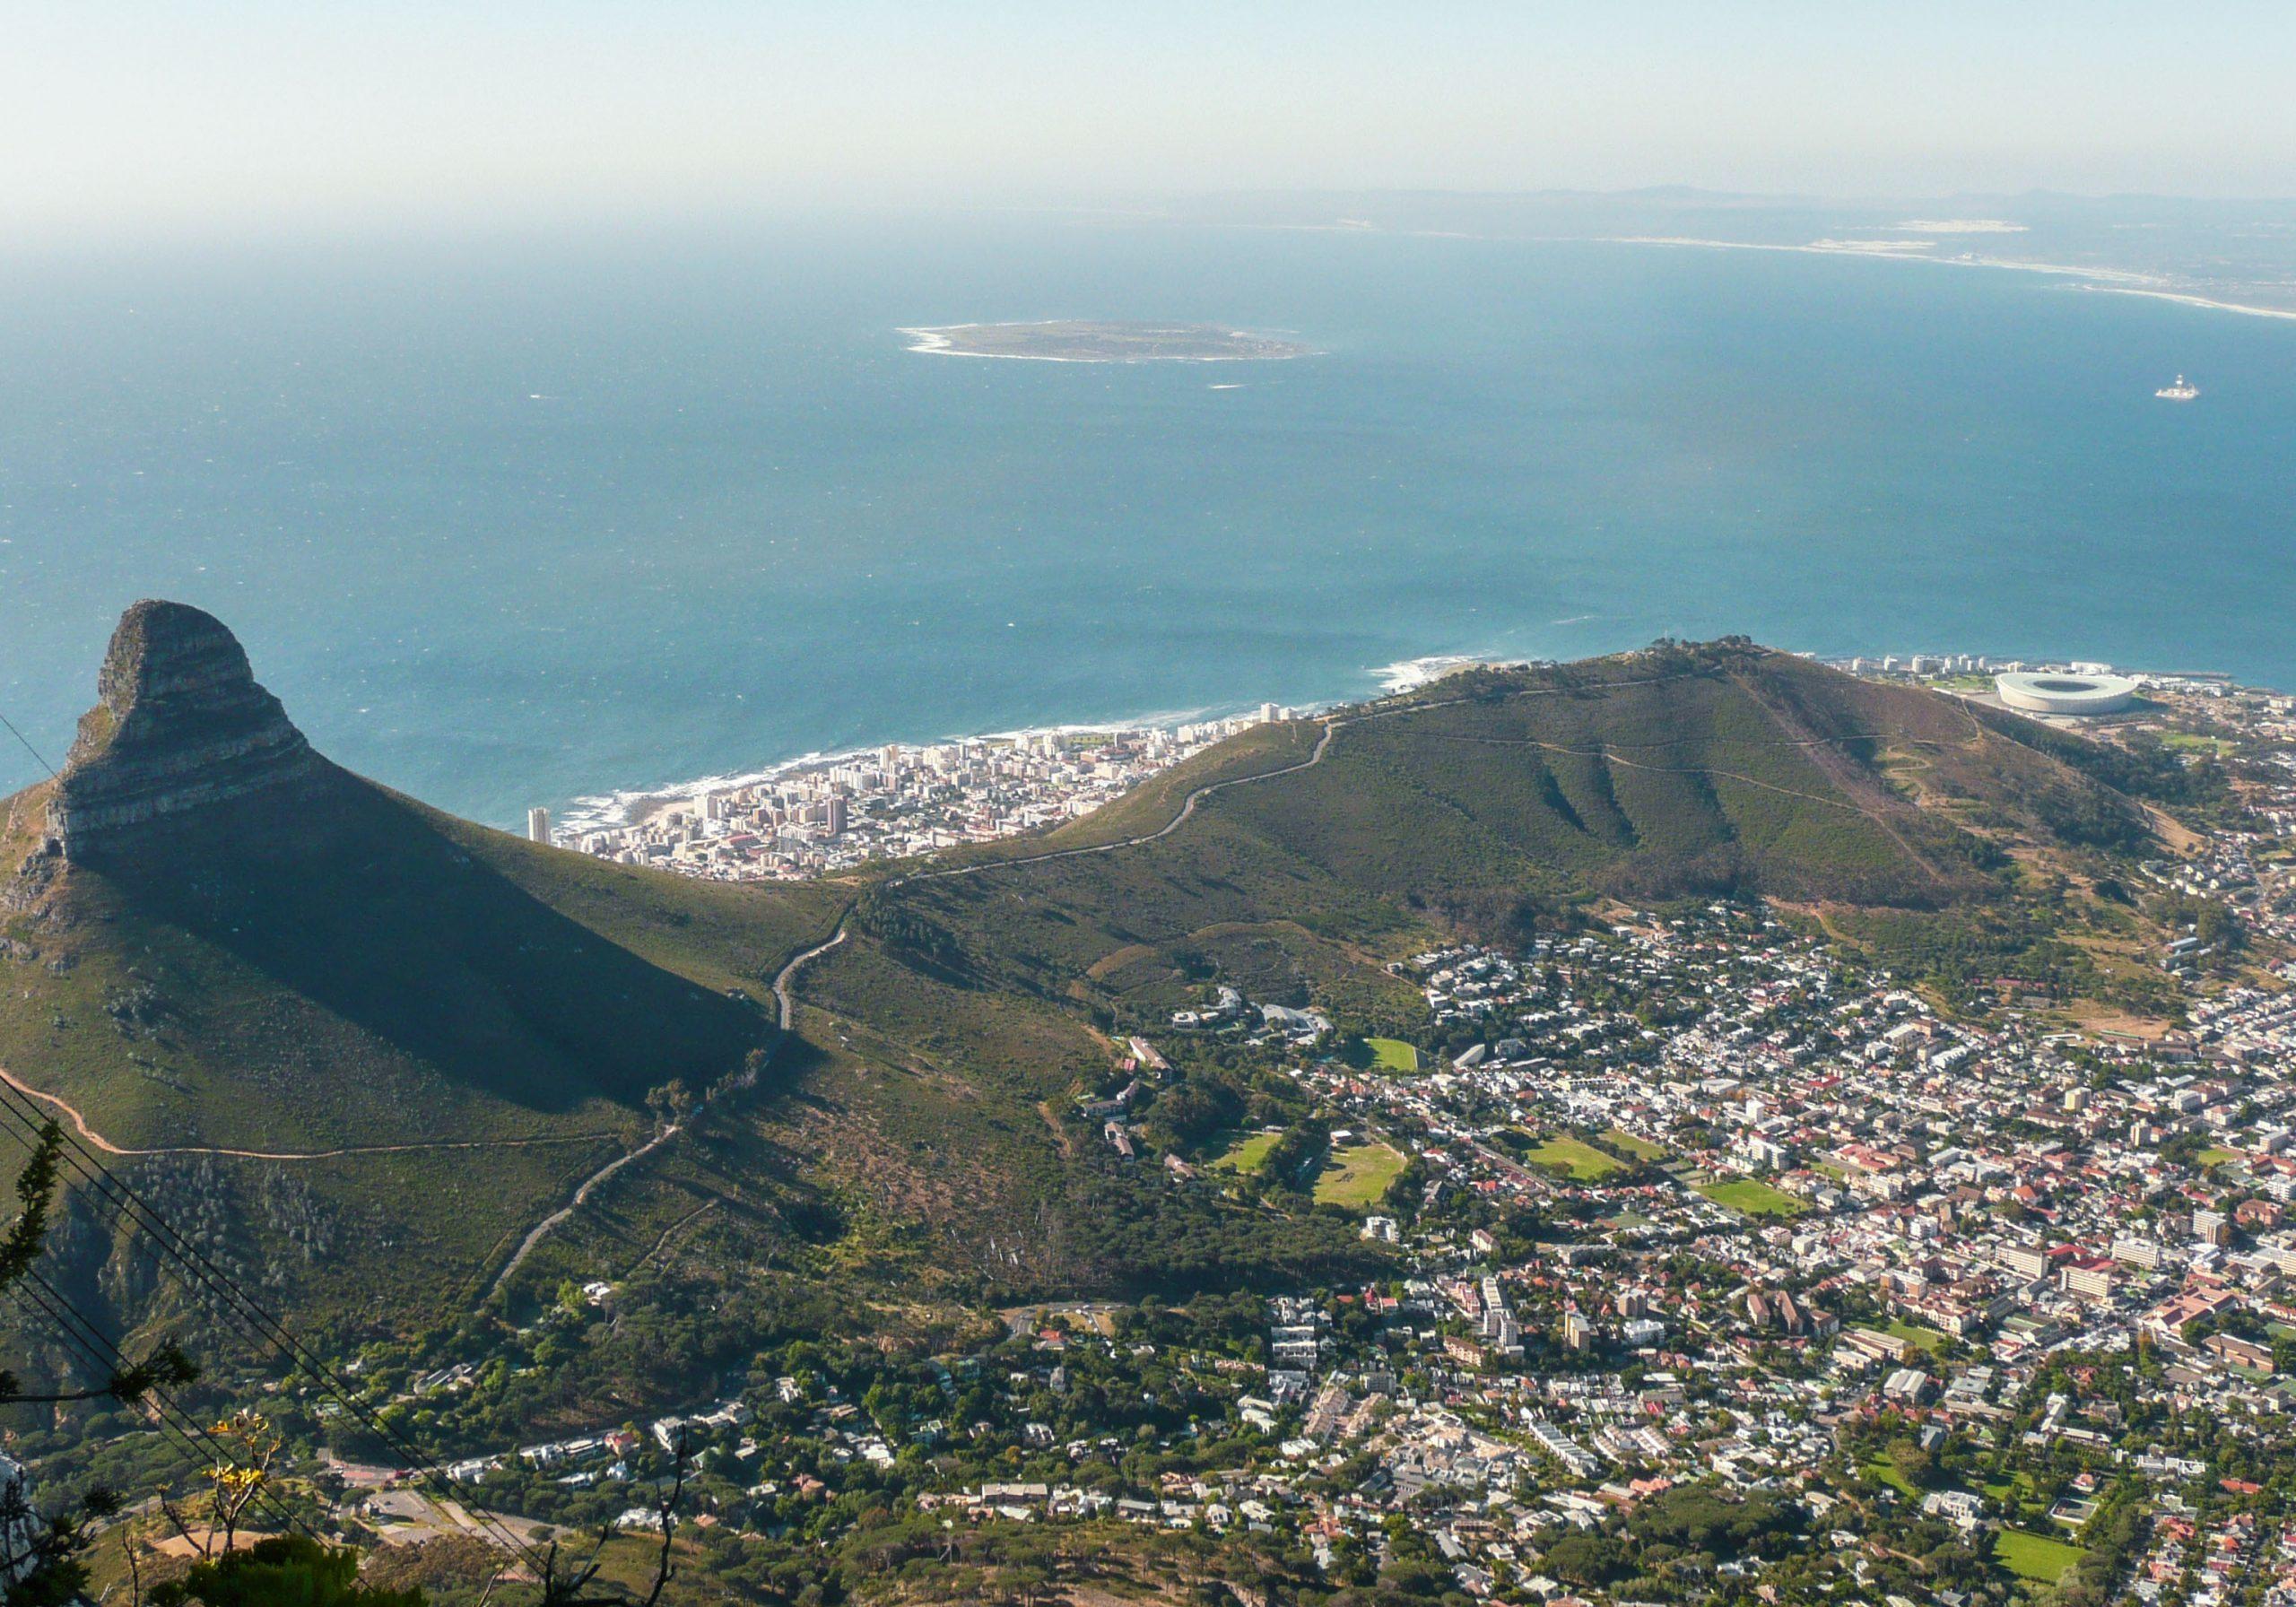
{"x":524,"y":520}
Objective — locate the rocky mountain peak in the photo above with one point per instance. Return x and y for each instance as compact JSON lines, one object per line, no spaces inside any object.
{"x":182,"y":728}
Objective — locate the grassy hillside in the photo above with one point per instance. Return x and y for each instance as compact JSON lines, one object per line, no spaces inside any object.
{"x":969,"y":1006}
{"x":1494,"y":800}
{"x":481,"y":1018}
{"x":372,"y":973}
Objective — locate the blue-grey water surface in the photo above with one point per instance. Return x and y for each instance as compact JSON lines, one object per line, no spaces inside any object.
{"x":513,"y":522}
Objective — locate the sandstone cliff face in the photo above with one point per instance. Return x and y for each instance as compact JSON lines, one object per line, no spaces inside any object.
{"x":183,"y":728}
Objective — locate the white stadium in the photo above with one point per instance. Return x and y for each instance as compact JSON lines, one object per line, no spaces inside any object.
{"x":2051,"y":692}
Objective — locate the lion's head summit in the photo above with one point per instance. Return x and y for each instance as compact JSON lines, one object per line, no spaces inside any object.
{"x":181,"y":729}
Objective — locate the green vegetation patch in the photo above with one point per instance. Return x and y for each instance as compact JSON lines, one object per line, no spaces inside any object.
{"x":2035,"y":1557}
{"x":1248,"y":1153}
{"x":1626,"y":1143}
{"x":1392,"y":1053}
{"x":1927,"y":1339}
{"x":1358,"y":1175}
{"x":1750,"y":1196}
{"x":1884,"y":1471}
{"x":2192,"y":742}
{"x":1582,"y":1161}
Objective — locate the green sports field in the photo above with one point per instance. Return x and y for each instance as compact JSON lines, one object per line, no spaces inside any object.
{"x":1248,"y":1153}
{"x":1582,"y":1161}
{"x":1358,"y":1175}
{"x":2035,"y":1557}
{"x":1750,"y":1196}
{"x":1384,"y":1054}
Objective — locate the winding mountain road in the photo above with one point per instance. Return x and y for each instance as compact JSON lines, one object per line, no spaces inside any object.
{"x":542,"y":1229}
{"x":785,"y":1012}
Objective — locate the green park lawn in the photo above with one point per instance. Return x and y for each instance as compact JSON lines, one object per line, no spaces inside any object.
{"x":1750,"y":1196}
{"x":1928,"y":1339}
{"x":1391,"y":1054}
{"x":2034,"y":1556}
{"x":1642,"y":1149}
{"x":1358,"y":1175}
{"x":2192,"y":742}
{"x":1582,"y":1161}
{"x":1248,"y":1153}
{"x":2013,"y":1491}
{"x":1883,"y":1469}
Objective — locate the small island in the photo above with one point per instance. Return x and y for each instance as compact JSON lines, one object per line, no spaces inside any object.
{"x":1070,"y":341}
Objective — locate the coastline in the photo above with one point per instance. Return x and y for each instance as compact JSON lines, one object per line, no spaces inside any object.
{"x":635,"y":806}
{"x":2119,"y":281}
{"x":2187,"y":299}
{"x":632,"y":806}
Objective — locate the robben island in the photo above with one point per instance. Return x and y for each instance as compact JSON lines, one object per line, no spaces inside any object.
{"x":821,"y":815}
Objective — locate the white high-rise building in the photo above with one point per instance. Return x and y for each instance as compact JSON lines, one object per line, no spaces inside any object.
{"x":537,"y":825}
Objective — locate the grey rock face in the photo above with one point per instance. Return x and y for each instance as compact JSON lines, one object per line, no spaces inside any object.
{"x":182,"y":728}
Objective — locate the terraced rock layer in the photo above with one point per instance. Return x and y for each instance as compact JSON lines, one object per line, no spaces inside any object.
{"x":182,"y":728}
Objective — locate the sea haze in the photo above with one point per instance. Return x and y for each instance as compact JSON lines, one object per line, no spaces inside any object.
{"x":514,"y":524}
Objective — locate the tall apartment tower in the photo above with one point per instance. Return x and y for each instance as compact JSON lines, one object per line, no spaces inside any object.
{"x":537,"y":825}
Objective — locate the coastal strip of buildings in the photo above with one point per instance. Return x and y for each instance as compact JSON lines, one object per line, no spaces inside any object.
{"x":896,"y":802}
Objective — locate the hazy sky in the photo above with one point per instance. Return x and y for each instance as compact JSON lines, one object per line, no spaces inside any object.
{"x":116,"y":114}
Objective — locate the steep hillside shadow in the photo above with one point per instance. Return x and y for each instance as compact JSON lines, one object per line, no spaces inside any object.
{"x":350,"y":900}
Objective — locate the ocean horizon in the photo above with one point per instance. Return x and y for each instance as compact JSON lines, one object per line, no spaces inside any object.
{"x":529,"y":522}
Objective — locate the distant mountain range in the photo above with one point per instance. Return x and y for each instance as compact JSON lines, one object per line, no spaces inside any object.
{"x":2232,"y":254}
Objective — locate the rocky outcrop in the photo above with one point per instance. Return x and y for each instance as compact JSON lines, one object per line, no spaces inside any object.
{"x":183,"y":729}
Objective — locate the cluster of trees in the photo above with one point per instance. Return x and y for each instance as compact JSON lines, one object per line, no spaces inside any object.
{"x":916,"y":939}
{"x":2091,"y":818}
{"x":2217,"y":928}
{"x":1185,"y":1115}
{"x":1130,"y":1231}
{"x":1682,"y":1532}
{"x":2139,"y":764}
{"x":666,"y":1341}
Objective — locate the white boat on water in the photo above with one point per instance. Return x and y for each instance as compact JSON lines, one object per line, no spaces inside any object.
{"x":2183,"y":390}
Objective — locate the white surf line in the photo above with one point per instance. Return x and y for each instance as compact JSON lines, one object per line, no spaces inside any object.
{"x":1877,"y":251}
{"x":591,"y":812}
{"x":2110,"y":281}
{"x":2183,"y":298}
